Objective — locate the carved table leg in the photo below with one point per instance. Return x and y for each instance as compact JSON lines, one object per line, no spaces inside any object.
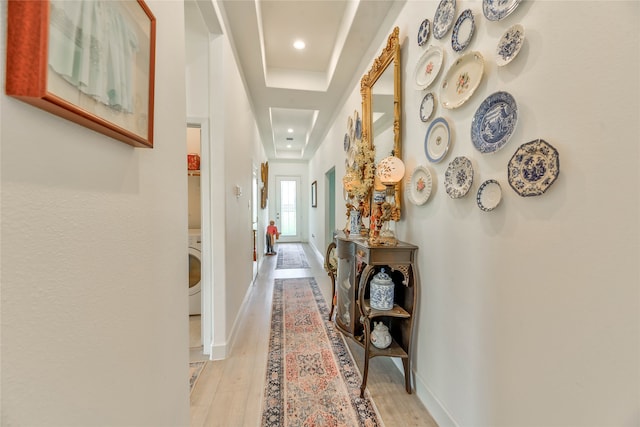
{"x":367,"y":332}
{"x":407,"y":375}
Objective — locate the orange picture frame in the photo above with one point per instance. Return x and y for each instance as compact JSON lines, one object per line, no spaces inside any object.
{"x":91,"y":76}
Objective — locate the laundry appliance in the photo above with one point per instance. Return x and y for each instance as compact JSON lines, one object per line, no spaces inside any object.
{"x":195,"y":272}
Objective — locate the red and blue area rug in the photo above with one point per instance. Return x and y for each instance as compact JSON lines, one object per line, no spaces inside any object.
{"x":291,"y":255}
{"x":312,"y":379}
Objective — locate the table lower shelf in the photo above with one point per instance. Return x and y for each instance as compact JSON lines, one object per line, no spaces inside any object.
{"x":394,"y":349}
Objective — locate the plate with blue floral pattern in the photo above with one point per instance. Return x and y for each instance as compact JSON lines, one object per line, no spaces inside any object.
{"x":463,"y":31}
{"x":533,"y":168}
{"x":443,"y":19}
{"x":489,"y":195}
{"x":423,"y":32}
{"x":496,"y":10}
{"x":494,"y":121}
{"x":509,"y":45}
{"x":458,"y":177}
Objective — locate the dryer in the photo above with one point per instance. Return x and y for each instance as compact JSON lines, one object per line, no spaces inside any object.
{"x":195,"y":272}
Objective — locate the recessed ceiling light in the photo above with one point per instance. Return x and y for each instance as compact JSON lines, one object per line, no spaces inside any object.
{"x":288,"y":145}
{"x":290,"y":130}
{"x":299,"y":44}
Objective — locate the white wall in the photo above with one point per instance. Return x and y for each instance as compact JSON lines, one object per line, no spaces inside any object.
{"x":94,"y":307}
{"x":529,"y":314}
{"x":215,"y":91}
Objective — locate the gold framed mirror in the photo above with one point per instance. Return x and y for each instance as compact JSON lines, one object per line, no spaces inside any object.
{"x":381,"y":109}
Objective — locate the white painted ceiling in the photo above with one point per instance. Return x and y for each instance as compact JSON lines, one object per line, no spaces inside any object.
{"x":303,"y":90}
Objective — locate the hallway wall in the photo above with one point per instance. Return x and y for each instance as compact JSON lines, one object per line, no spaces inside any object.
{"x":529,"y":315}
{"x":94,"y":307}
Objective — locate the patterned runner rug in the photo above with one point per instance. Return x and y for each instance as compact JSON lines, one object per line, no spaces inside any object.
{"x":312,"y":379}
{"x":291,"y":255}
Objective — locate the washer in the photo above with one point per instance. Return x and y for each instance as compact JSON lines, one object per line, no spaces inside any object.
{"x":195,"y":271}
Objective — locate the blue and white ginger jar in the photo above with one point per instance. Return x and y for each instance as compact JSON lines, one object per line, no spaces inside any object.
{"x":381,"y":294}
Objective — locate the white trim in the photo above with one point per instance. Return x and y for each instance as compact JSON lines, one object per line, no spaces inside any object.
{"x":430,"y":401}
{"x":205,"y":230}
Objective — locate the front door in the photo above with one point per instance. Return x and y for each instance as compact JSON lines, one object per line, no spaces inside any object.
{"x":288,"y":215}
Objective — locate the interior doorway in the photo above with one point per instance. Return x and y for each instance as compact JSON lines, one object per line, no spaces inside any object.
{"x":288,"y":208}
{"x":330,"y":206}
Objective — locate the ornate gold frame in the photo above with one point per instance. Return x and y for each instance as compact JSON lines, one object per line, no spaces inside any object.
{"x":391,"y":53}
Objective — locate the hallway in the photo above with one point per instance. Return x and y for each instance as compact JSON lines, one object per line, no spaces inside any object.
{"x":230,"y":392}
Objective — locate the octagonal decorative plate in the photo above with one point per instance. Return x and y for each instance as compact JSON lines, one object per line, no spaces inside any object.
{"x":463,"y":31}
{"x":458,"y":177}
{"x":419,"y":186}
{"x":533,"y":168}
{"x":428,"y":66}
{"x":461,"y":80}
{"x":496,"y":10}
{"x":509,"y":45}
{"x":489,"y":195}
{"x":423,"y":32}
{"x":437,"y":140}
{"x":443,"y":19}
{"x":494,"y":122}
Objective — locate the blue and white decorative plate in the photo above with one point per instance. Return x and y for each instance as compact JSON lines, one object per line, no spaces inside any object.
{"x":494,"y":122}
{"x":533,"y":168}
{"x":358,"y":128}
{"x":443,"y":19}
{"x":427,"y":106}
{"x":458,"y":177}
{"x":347,"y":142}
{"x":437,"y":140}
{"x":495,"y":10}
{"x":463,"y":31}
{"x":489,"y":195}
{"x":423,"y":32}
{"x":510,"y":44}
{"x":428,"y":66}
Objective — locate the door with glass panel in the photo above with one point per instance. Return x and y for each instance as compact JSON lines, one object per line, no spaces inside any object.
{"x":288,"y":208}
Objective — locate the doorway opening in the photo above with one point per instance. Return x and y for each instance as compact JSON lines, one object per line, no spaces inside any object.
{"x":330,"y":206}
{"x":288,"y":212}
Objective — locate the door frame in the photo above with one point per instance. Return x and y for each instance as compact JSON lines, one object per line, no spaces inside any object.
{"x":299,"y":207}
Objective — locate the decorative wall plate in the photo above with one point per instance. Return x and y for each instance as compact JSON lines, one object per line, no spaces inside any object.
{"x":351,"y":157}
{"x":347,"y":142}
{"x":463,"y":31}
{"x":423,"y":32}
{"x":442,"y":20}
{"x":428,"y":66}
{"x":458,"y":177}
{"x":533,"y":168}
{"x":419,"y":186}
{"x":427,"y":106}
{"x":494,"y":122}
{"x":495,"y":10}
{"x":489,"y":195}
{"x":509,"y":45}
{"x":437,"y":140}
{"x":358,"y":128}
{"x":461,"y":80}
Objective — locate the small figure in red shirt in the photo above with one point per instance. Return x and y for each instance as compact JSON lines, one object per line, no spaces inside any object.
{"x":272,"y":235}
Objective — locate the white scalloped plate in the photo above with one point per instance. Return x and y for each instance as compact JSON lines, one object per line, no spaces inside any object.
{"x":428,"y":67}
{"x":419,"y":186}
{"x":461,"y":80}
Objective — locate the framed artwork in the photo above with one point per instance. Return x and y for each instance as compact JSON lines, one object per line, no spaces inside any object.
{"x":91,"y":62}
{"x":314,"y":194}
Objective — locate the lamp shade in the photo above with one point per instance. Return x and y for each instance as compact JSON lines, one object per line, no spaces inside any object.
{"x":390,"y":170}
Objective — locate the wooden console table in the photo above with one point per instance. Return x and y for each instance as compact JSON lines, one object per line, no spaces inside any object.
{"x":358,"y":262}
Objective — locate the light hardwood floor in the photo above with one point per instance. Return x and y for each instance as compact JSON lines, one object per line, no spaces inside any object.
{"x":229,"y":392}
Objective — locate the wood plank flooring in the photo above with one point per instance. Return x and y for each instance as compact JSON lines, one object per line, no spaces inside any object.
{"x":229,"y":392}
